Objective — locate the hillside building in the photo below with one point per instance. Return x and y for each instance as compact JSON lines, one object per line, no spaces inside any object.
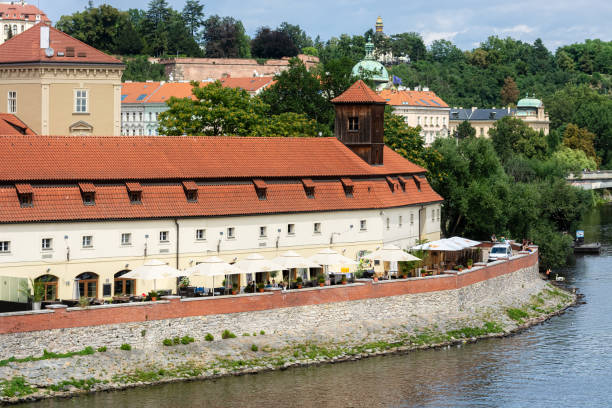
{"x":18,"y":16}
{"x":77,"y":213}
{"x":420,"y":108}
{"x":59,"y":85}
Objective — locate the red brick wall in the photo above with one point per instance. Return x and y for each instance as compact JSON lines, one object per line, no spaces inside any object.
{"x":61,"y":318}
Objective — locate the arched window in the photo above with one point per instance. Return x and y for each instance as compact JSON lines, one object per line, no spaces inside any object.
{"x":124,"y":286}
{"x":88,"y":284}
{"x":50,"y":286}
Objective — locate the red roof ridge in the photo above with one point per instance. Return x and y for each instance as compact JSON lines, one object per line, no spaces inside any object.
{"x":359,"y":92}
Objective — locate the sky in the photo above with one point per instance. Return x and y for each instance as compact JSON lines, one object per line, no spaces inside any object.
{"x":464,"y":22}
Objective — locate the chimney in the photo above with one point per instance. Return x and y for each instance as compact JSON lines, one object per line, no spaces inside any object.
{"x":44,"y":37}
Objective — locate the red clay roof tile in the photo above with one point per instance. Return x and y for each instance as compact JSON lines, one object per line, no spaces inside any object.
{"x":359,"y":92}
{"x":11,"y":125}
{"x":412,"y":98}
{"x":25,"y":48}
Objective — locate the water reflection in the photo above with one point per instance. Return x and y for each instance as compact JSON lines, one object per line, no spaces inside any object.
{"x":564,"y":362}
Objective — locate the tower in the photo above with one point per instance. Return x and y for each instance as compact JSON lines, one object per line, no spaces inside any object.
{"x":379,"y":25}
{"x":360,"y":122}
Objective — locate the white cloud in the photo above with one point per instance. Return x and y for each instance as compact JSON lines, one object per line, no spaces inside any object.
{"x":431,"y":36}
{"x":519,"y":28}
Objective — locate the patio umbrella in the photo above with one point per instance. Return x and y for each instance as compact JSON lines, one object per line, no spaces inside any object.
{"x":465,"y":242}
{"x":291,"y":259}
{"x":211,"y":267}
{"x":256,"y":263}
{"x":153,"y":269}
{"x":439,"y":245}
{"x":328,"y":256}
{"x":391,"y":253}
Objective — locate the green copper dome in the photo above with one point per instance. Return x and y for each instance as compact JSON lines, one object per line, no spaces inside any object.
{"x":529,"y":103}
{"x":370,"y":68}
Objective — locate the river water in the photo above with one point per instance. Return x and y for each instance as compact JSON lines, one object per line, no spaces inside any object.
{"x":565,"y":362}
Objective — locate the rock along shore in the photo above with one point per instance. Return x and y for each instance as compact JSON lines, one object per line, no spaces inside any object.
{"x":527,"y":304}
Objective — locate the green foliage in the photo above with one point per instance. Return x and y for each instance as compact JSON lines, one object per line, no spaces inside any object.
{"x":187,"y":339}
{"x":225,"y":37}
{"x":167,"y":342}
{"x":465,"y":130}
{"x":176,"y":340}
{"x":34,"y":290}
{"x":209,"y":337}
{"x":126,"y":347}
{"x":83,"y":384}
{"x":47,"y":355}
{"x":262,"y":332}
{"x":511,"y":135}
{"x":272,"y":44}
{"x":321,"y":278}
{"x":254,"y":347}
{"x":581,"y":139}
{"x":227,"y":334}
{"x":517,"y":314}
{"x":102,"y":349}
{"x":15,"y":387}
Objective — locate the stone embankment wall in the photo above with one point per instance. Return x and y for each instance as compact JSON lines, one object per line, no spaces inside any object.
{"x":199,"y":69}
{"x":297,"y":312}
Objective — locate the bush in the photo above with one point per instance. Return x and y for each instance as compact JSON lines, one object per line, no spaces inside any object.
{"x":254,"y":347}
{"x":262,"y":332}
{"x":167,"y":342}
{"x":246,"y":334}
{"x":187,"y":340}
{"x":176,"y":340}
{"x":102,"y":349}
{"x":227,"y":334}
{"x":125,"y":346}
{"x":209,"y":337}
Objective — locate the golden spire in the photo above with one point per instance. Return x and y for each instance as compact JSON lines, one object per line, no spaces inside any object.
{"x":379,"y":25}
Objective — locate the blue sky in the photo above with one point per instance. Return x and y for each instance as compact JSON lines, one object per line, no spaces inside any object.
{"x":465,"y":22}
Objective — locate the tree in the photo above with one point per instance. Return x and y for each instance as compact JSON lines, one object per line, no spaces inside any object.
{"x":216,"y":111}
{"x":139,"y":69}
{"x":298,"y":90}
{"x":128,"y":41}
{"x":408,"y":44}
{"x":579,"y":139}
{"x":155,"y":27}
{"x":298,"y":36}
{"x":193,"y":15}
{"x":512,"y":136}
{"x":465,"y":130}
{"x":289,"y":124}
{"x":224,"y":37}
{"x":445,"y":51}
{"x":272,"y":44}
{"x":509,"y":92}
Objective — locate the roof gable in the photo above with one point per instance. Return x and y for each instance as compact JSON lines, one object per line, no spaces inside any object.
{"x":413,"y":98}
{"x":25,"y":48}
{"x":359,"y":92}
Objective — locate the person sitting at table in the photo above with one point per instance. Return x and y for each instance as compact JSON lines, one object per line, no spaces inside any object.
{"x":268,"y":285}
{"x":274,"y":285}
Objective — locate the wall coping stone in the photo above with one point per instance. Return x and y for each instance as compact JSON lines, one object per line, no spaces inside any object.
{"x":195,"y":299}
{"x":170,"y":297}
{"x":114,"y":305}
{"x":57,"y":307}
{"x":26,"y":312}
{"x":323,"y":287}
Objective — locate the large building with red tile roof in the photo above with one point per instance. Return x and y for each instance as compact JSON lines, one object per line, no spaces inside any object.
{"x":420,"y":107}
{"x":18,"y":16}
{"x":82,"y":211}
{"x":59,"y":85}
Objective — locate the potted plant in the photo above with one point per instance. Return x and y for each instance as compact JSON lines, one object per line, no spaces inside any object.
{"x":344,"y":280}
{"x":460,"y":268}
{"x":470,"y":262}
{"x":153,"y":295}
{"x":36,"y":293}
{"x":83,"y":302}
{"x":184,"y":282}
{"x":321,"y":280}
{"x":234,"y":289}
{"x":298,"y":282}
{"x":260,"y":287}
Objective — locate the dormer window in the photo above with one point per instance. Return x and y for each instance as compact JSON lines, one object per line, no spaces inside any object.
{"x":348,"y":186}
{"x":402,"y":182}
{"x":88,"y":193}
{"x":25,"y":194}
{"x":134,"y":192}
{"x":417,"y":182}
{"x":391,"y":183}
{"x":191,"y":191}
{"x":309,"y":187}
{"x":353,"y":124}
{"x":261,"y":188}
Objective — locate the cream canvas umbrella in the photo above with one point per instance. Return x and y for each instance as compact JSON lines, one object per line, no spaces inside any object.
{"x":391,"y":253}
{"x":211,"y":267}
{"x":328,"y":256}
{"x":291,"y":259}
{"x":153,"y":269}
{"x":440,"y":245}
{"x":256,"y":263}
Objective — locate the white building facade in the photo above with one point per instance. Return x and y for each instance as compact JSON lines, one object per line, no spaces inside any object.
{"x":18,"y":16}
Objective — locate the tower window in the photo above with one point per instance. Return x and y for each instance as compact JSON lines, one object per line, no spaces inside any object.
{"x":353,"y":123}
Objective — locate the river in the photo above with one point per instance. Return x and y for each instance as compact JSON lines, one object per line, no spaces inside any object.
{"x":565,"y":362}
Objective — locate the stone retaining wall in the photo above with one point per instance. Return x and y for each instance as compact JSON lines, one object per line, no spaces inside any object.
{"x":298,"y":312}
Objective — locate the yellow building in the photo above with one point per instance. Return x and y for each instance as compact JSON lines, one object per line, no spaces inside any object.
{"x":58,"y":85}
